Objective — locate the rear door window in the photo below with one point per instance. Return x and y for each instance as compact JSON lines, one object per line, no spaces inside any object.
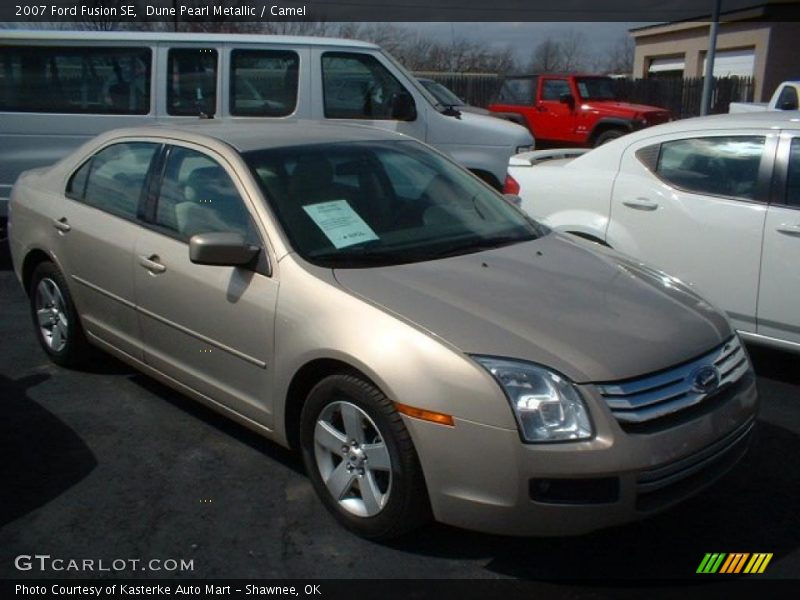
{"x":117,"y":177}
{"x":263,"y":82}
{"x":719,"y":166}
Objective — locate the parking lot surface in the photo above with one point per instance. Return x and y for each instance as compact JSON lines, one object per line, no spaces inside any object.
{"x":106,"y":464}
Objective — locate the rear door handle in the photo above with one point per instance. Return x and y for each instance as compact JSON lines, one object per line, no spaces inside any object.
{"x":788,"y":229}
{"x":151,"y":264}
{"x":62,"y":225}
{"x":641,"y":204}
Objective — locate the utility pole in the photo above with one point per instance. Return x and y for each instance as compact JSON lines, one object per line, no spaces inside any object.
{"x":708,"y":78}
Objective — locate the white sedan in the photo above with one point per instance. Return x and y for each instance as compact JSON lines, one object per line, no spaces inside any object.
{"x":714,"y":201}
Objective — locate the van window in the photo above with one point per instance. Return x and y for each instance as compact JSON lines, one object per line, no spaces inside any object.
{"x":117,"y":177}
{"x":60,"y":79}
{"x":192,"y":81}
{"x":357,"y":86}
{"x":263,"y":83}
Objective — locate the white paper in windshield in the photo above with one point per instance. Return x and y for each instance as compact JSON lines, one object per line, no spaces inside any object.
{"x":340,"y":223}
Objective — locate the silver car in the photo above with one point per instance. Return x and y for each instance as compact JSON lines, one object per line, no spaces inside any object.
{"x":351,"y":293}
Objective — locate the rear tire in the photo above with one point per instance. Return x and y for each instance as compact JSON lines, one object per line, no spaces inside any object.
{"x":55,"y":319}
{"x":361,"y":460}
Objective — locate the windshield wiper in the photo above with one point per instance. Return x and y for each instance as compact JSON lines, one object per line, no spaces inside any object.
{"x":365,"y":257}
{"x":476,"y":245}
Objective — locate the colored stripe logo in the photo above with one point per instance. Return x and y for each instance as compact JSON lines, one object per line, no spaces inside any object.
{"x":735,"y":562}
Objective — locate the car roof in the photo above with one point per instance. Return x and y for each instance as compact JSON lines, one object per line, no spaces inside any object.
{"x":203,"y":38}
{"x":785,"y":119}
{"x":260,"y":134}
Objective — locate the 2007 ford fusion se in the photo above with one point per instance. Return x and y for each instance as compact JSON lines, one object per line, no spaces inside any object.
{"x":350,"y":292}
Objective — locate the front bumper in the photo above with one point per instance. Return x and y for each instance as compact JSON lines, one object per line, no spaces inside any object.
{"x":484,"y":478}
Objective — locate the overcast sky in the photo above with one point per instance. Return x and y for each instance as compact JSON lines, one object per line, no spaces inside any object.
{"x":523,"y":37}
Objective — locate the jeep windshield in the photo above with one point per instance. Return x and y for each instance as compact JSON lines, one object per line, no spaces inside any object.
{"x":361,"y":204}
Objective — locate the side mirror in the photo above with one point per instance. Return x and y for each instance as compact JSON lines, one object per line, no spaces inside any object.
{"x":225,"y":249}
{"x":787,"y":105}
{"x":567,"y":99}
{"x":403,"y":107}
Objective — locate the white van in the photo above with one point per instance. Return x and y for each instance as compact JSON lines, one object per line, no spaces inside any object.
{"x":59,"y":88}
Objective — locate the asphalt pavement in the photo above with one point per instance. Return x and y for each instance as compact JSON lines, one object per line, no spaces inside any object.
{"x":107,"y":464}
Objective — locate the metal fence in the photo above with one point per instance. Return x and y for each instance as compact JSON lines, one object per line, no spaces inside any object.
{"x":680,"y":96}
{"x":478,"y":89}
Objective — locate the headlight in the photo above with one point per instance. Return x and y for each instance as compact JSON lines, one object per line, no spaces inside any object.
{"x":527,"y":148}
{"x":548,"y":408}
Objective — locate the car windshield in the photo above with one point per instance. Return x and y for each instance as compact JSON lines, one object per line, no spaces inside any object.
{"x":596,"y":88}
{"x":360,"y":204}
{"x":442,"y":94}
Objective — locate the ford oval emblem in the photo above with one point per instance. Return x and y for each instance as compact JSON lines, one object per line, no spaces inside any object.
{"x":705,"y":379}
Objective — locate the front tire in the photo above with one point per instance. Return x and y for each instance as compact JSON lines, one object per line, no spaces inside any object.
{"x":360,"y":459}
{"x":55,"y":319}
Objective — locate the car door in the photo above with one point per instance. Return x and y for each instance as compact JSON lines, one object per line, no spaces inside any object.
{"x":694,"y":205}
{"x":359,"y":87}
{"x":779,"y":296}
{"x":97,"y":232}
{"x":208,"y":327}
{"x":555,"y":120}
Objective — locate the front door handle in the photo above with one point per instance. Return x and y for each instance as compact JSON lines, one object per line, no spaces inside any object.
{"x":788,"y":229}
{"x":641,"y":204}
{"x":62,"y":225}
{"x":152,"y":264}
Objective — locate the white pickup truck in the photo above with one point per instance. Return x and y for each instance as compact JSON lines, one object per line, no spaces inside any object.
{"x":784,"y":98}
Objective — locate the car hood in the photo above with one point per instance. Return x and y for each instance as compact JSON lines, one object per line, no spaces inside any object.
{"x":471,"y":129}
{"x":588,"y":313}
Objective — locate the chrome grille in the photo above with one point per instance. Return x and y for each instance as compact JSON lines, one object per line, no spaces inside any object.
{"x":647,"y":398}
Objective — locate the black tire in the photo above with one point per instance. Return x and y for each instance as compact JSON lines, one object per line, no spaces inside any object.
{"x":406,"y":505}
{"x":607,"y":136}
{"x":488,"y":178}
{"x":75,"y":349}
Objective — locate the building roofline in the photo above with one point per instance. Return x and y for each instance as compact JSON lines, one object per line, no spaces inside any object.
{"x":763,"y":11}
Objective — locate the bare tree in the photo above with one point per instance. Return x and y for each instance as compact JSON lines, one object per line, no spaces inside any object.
{"x":567,"y":54}
{"x":573,"y":51}
{"x":546,"y":57}
{"x":619,"y":56}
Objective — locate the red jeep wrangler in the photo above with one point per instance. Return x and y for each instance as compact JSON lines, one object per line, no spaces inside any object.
{"x":572,"y":110}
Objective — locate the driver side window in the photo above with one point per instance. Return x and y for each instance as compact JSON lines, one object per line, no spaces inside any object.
{"x":198,"y":196}
{"x":357,"y":86}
